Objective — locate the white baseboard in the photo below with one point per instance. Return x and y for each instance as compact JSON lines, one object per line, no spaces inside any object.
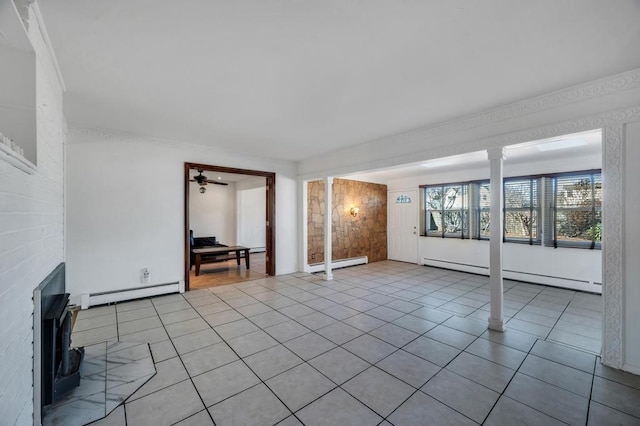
{"x":336,"y":264}
{"x":631,"y":369}
{"x":93,"y":299}
{"x":463,"y":267}
{"x":519,"y":276}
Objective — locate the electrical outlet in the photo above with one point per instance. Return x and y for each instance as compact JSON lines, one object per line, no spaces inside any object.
{"x":145,"y":276}
{"x":313,"y":255}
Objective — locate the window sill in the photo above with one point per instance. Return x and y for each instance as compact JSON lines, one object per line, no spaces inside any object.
{"x":585,"y":246}
{"x":523,"y":241}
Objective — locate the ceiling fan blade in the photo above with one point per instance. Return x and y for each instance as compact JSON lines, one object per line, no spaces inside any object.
{"x":218,"y":183}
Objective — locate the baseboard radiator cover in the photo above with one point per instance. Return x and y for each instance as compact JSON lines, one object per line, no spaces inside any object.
{"x":456,"y":266}
{"x":564,"y":282}
{"x":103,"y":298}
{"x":337,"y":264}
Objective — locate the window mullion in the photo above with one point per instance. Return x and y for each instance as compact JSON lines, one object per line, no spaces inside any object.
{"x":443,"y":210}
{"x":555,"y":213}
{"x":530,"y":212}
{"x":593,"y":212}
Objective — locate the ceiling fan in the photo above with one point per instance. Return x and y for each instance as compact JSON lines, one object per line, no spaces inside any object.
{"x":202,"y":180}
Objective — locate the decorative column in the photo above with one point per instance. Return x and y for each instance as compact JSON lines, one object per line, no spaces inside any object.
{"x":613,"y":243}
{"x":496,"y":319}
{"x":328,"y":196}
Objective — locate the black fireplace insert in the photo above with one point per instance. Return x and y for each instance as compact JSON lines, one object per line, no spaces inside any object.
{"x":60,"y":364}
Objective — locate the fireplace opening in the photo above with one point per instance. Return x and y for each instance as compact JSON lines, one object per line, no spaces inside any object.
{"x":56,"y":363}
{"x":61,"y":363}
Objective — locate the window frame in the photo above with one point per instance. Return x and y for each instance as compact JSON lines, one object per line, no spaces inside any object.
{"x":551,"y":189}
{"x":478,"y":209}
{"x":533,"y":207}
{"x":464,"y":211}
{"x":543,"y":204}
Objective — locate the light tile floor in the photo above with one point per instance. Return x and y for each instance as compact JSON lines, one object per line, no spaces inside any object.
{"x":111,"y":372}
{"x":384,"y":343}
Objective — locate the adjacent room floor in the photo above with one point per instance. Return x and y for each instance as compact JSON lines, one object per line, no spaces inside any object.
{"x":384,"y":343}
{"x":229,"y":272}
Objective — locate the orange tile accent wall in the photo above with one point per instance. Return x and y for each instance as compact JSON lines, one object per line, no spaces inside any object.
{"x":363,"y":235}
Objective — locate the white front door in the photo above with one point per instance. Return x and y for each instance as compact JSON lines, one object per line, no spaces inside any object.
{"x":402,"y":225}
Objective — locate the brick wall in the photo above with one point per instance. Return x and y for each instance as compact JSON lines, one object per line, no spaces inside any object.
{"x":363,"y":235}
{"x":31,"y":241}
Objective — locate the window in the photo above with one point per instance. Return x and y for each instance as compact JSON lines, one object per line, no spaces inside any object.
{"x":572,"y":215}
{"x":522,"y":210}
{"x":447,"y":210}
{"x":575,"y":210}
{"x":483,"y":206}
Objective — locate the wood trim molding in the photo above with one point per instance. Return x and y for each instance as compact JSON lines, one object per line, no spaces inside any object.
{"x":270,"y":234}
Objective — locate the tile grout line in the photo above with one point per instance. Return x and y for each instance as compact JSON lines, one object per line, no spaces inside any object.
{"x":183,"y":365}
{"x":368,"y":333}
{"x":244,"y":362}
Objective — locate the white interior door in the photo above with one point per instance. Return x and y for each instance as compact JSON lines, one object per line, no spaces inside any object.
{"x":402,"y":225}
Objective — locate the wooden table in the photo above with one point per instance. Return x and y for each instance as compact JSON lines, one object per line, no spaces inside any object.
{"x":209,"y":251}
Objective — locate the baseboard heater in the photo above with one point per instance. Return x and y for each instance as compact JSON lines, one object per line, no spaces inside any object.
{"x":103,"y":298}
{"x":337,"y":264}
{"x":457,"y":266}
{"x":550,"y":280}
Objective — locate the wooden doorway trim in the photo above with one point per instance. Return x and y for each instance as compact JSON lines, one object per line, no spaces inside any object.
{"x":270,"y":231}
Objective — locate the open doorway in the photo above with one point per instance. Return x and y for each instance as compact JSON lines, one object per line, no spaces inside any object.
{"x":229,"y":252}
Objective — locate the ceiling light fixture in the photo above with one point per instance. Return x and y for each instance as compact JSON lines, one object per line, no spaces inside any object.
{"x":561,"y":144}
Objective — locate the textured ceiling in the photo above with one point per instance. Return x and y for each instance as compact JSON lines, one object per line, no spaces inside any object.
{"x":296,"y":79}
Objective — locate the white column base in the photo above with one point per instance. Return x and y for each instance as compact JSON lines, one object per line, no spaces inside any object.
{"x":496,"y":325}
{"x":328,"y":277}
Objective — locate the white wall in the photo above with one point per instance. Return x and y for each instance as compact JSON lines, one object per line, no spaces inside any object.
{"x":631,"y":227}
{"x":568,"y":267}
{"x":213,"y":214}
{"x":31,"y":240}
{"x":125,"y":209}
{"x":252,"y":204}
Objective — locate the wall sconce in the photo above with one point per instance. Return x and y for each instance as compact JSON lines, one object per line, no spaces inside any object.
{"x":354,"y":211}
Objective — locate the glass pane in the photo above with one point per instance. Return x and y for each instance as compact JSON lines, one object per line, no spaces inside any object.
{"x":453,"y":222}
{"x":597,"y":190}
{"x":434,"y":221}
{"x":433,"y":198}
{"x":485,"y":224}
{"x":520,"y":224}
{"x":453,"y":197}
{"x":574,"y":225}
{"x":518,"y":193}
{"x":574,"y":191}
{"x":485,"y":195}
{"x":596,"y":231}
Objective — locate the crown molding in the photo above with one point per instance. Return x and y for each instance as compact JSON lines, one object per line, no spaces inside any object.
{"x":594,"y":89}
{"x":414,"y":141}
{"x":593,"y":122}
